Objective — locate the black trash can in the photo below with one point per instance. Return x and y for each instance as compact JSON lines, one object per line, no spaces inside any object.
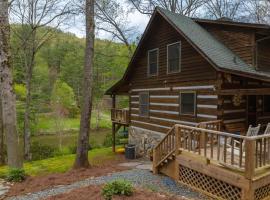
{"x":130,"y":151}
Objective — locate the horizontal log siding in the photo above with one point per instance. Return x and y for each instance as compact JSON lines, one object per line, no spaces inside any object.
{"x":262,"y":118}
{"x":230,"y":113}
{"x":164,"y":109}
{"x":239,"y":40}
{"x":263,"y":55}
{"x":193,"y":66}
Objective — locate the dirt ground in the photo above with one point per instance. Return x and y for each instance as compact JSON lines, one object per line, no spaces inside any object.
{"x":94,"y":193}
{"x":34,"y":184}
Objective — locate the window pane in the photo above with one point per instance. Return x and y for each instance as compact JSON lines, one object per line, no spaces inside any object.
{"x":144,"y":104}
{"x":153,"y":62}
{"x":153,"y":69}
{"x":174,"y":57}
{"x":174,"y":51}
{"x":187,"y":103}
{"x":174,"y":65}
{"x":266,"y":103}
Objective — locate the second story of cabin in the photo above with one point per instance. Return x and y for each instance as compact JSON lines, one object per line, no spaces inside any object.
{"x":176,"y":50}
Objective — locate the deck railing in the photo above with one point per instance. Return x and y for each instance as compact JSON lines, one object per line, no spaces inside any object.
{"x":120,"y":116}
{"x":242,"y":153}
{"x":165,"y":148}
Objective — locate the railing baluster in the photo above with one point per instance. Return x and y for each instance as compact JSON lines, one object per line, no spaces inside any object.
{"x":212,"y":145}
{"x":205,"y":143}
{"x":225,"y":149}
{"x":256,"y":154}
{"x":232,"y":151}
{"x":218,"y":150}
{"x":241,"y":153}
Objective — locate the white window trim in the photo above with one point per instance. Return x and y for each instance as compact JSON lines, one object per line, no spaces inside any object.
{"x":180,"y":58}
{"x":195,"y":103}
{"x":148,"y":113}
{"x":148,"y":62}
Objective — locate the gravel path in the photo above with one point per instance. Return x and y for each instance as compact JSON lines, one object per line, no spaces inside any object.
{"x":139,"y":177}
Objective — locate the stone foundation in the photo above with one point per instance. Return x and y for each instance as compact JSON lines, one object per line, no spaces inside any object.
{"x":145,"y":140}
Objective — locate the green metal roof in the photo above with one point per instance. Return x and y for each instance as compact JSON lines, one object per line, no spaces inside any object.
{"x":213,"y":49}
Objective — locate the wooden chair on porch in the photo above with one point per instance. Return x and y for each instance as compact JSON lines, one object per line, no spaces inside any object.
{"x":238,"y":147}
{"x":267,"y":130}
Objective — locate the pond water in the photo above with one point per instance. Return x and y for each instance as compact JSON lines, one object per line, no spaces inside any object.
{"x":97,"y":138}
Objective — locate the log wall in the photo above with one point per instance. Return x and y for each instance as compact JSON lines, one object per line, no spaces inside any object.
{"x":164,"y":107}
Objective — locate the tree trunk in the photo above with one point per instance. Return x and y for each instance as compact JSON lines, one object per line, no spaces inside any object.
{"x":7,"y":94}
{"x":27,"y":131}
{"x":2,"y":147}
{"x":29,"y":57}
{"x":86,"y":109}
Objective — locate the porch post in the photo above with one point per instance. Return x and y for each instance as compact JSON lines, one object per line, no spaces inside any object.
{"x":250,"y":159}
{"x":113,"y":125}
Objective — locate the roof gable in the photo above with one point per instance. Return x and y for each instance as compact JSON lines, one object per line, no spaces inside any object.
{"x":215,"y":52}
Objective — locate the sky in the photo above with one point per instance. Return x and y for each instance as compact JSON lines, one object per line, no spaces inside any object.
{"x":136,"y":19}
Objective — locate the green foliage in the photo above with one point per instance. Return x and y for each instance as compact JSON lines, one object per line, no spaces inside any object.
{"x":63,"y":98}
{"x":20,"y":91}
{"x":118,"y":187}
{"x":16,"y":175}
{"x":41,"y":151}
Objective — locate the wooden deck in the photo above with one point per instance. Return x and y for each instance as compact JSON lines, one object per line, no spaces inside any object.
{"x":220,"y":164}
{"x":120,"y":118}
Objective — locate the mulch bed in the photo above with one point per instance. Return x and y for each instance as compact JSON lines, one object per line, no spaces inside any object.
{"x":94,"y":193}
{"x":39,"y":183}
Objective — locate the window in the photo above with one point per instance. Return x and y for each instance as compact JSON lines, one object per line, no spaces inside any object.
{"x":153,"y":62}
{"x":173,"y":56}
{"x":266,"y":104}
{"x":188,"y":103}
{"x":144,"y":104}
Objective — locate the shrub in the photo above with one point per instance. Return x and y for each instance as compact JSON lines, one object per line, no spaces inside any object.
{"x":16,"y":175}
{"x":118,"y":187}
{"x":42,"y":151}
{"x":72,"y":149}
{"x":108,"y":140}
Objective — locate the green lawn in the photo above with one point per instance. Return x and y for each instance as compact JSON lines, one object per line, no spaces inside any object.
{"x":62,"y":164}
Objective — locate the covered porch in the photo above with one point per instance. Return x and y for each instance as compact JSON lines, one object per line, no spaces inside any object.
{"x":120,"y":117}
{"x":241,"y":108}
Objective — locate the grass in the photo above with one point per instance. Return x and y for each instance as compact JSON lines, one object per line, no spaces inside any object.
{"x":62,"y":164}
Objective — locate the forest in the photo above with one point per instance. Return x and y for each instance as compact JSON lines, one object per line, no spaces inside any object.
{"x":59,"y":79}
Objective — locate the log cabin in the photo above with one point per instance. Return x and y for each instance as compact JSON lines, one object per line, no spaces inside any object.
{"x":196,"y":88}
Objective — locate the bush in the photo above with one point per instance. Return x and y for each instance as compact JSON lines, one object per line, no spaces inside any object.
{"x":118,"y":187}
{"x":42,"y":151}
{"x":72,"y":149}
{"x":16,"y":175}
{"x":108,"y":140}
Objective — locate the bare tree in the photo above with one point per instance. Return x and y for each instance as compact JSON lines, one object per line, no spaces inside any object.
{"x":86,"y":109}
{"x":38,"y":19}
{"x":223,"y":8}
{"x":257,"y":11}
{"x":185,"y":7}
{"x":7,"y":94}
{"x":112,"y":18}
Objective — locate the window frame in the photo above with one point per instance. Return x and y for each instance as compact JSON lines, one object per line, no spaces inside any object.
{"x":194,"y":114}
{"x":263,"y":106}
{"x":180,"y":57}
{"x":148,"y":62}
{"x":148,"y":105}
